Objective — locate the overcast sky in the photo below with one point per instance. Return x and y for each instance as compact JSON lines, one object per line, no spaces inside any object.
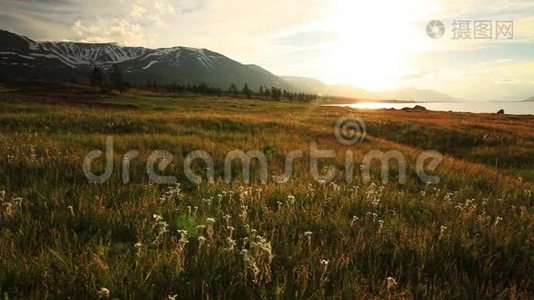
{"x":377,"y":44}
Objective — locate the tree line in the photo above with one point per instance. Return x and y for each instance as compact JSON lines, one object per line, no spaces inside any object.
{"x":265,"y":92}
{"x":108,"y":81}
{"x":113,"y":80}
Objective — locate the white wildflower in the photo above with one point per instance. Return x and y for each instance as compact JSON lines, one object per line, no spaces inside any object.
{"x":291,"y":199}
{"x":231,"y":231}
{"x":162,"y":227}
{"x":227,"y":219}
{"x":201,"y":228}
{"x":380,"y":225}
{"x":231,"y":244}
{"x":103,"y":293}
{"x":209,"y":227}
{"x":71,"y":210}
{"x":391,"y":283}
{"x":335,"y":187}
{"x":324,"y":263}
{"x":442,"y":231}
{"x":354,"y":220}
{"x":208,"y":202}
{"x":183,"y":238}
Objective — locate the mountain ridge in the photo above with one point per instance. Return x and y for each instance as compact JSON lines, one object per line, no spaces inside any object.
{"x":22,"y":57}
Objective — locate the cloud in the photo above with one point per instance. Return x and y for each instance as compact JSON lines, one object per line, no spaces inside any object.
{"x":423,"y":74}
{"x":119,"y":30}
{"x":131,"y":23}
{"x":307,"y":38}
{"x":138,"y":11}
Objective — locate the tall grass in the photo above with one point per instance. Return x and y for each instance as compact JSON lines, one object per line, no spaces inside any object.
{"x":60,"y":237}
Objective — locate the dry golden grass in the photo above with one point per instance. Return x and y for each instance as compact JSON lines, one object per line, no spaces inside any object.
{"x":468,"y":237}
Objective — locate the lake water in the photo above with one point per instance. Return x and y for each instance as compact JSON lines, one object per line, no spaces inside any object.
{"x":513,"y":108}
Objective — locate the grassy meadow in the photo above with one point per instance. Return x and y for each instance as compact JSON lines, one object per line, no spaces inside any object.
{"x":469,"y":237}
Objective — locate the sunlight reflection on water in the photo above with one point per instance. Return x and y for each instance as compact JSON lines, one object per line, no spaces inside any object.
{"x":515,"y":108}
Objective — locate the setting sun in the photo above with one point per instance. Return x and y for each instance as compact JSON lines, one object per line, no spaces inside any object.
{"x":374,"y":41}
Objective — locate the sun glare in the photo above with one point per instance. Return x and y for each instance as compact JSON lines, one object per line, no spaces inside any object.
{"x":374,"y":40}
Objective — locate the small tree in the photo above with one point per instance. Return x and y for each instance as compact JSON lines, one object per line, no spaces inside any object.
{"x":104,"y":85}
{"x":116,"y":79}
{"x":246,"y":91}
{"x":232,"y":89}
{"x":268,"y":92}
{"x":276,"y":93}
{"x":96,"y":77}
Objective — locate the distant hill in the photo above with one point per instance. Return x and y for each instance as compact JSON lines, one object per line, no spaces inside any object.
{"x":409,"y":94}
{"x":306,"y":84}
{"x":417,"y":95}
{"x":531,"y":99}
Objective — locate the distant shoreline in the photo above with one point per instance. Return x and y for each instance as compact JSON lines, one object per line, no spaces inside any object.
{"x":486,"y":107}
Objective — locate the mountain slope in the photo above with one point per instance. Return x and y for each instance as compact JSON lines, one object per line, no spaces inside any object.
{"x":23,"y":58}
{"x":303,"y":84}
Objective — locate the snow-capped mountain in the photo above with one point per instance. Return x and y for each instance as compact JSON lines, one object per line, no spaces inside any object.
{"x":23,"y":58}
{"x":79,"y":54}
